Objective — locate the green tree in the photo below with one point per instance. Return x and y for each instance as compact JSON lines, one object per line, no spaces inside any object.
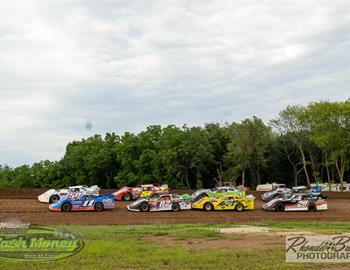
{"x":329,"y":123}
{"x":247,"y":148}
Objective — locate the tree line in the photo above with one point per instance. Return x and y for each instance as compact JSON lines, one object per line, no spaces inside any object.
{"x":304,"y":144}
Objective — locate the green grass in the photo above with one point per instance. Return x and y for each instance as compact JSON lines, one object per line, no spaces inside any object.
{"x":127,"y":247}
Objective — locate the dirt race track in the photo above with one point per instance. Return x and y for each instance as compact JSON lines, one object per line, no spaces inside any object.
{"x":23,"y":204}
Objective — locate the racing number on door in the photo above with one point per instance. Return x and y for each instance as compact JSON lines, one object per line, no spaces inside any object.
{"x":164,"y":204}
{"x":74,"y":195}
{"x":302,"y":204}
{"x":88,"y":203}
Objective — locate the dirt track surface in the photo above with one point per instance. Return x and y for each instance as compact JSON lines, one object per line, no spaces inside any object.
{"x":22,"y":203}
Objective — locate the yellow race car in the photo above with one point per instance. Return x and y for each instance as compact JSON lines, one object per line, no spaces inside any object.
{"x":238,"y":203}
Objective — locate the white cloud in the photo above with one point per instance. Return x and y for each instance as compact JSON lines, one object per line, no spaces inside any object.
{"x":123,"y":65}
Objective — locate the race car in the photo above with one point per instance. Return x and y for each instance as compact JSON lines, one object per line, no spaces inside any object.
{"x":54,"y":195}
{"x":164,"y":202}
{"x":217,"y":192}
{"x":238,"y":203}
{"x":133,"y":193}
{"x":84,"y":203}
{"x":155,"y":191}
{"x":297,"y":202}
{"x":287,"y":192}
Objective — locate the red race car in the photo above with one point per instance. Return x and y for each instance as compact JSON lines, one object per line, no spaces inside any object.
{"x":133,"y":193}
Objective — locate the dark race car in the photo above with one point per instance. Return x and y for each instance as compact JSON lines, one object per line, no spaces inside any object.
{"x":297,"y":202}
{"x":287,"y":192}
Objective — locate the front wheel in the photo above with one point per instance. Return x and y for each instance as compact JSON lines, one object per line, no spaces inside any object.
{"x":144,"y":207}
{"x":127,"y":197}
{"x":66,"y":207}
{"x":208,"y":206}
{"x":279,"y":207}
{"x":99,"y":207}
{"x":239,"y":207}
{"x":54,"y":199}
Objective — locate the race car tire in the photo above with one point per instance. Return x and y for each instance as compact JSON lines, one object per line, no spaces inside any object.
{"x":127,"y":197}
{"x":99,"y":207}
{"x":312,"y":207}
{"x":239,"y":207}
{"x":175,"y":207}
{"x":208,"y":206}
{"x":277,"y":196}
{"x":144,"y":207}
{"x":279,"y":207}
{"x":54,"y":199}
{"x":66,"y":207}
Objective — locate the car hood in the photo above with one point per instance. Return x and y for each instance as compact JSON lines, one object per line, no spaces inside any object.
{"x":51,"y":191}
{"x":138,"y":202}
{"x":274,"y":201}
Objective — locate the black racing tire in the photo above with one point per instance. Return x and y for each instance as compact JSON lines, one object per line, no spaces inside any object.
{"x":144,"y":207}
{"x":66,"y":207}
{"x":99,"y":207}
{"x":54,"y":199}
{"x":312,"y":207}
{"x":175,"y":207}
{"x":279,"y":207}
{"x":239,"y":207}
{"x":208,"y":206}
{"x":127,"y":197}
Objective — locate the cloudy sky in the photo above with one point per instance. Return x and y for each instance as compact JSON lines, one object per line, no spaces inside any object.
{"x":123,"y":65}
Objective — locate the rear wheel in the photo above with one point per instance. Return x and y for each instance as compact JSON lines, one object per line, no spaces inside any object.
{"x":239,"y":207}
{"x":208,"y":206}
{"x":66,"y":207}
{"x":54,"y":199}
{"x":127,"y":197}
{"x":279,"y":207}
{"x":175,"y":207}
{"x":99,"y":207}
{"x":144,"y":207}
{"x":312,"y":208}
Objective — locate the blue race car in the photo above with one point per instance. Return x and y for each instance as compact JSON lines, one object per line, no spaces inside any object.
{"x":84,"y":203}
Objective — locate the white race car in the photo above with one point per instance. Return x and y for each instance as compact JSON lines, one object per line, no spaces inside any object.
{"x":54,"y":195}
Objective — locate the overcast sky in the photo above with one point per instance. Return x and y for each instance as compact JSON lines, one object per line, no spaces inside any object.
{"x":123,"y":65}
